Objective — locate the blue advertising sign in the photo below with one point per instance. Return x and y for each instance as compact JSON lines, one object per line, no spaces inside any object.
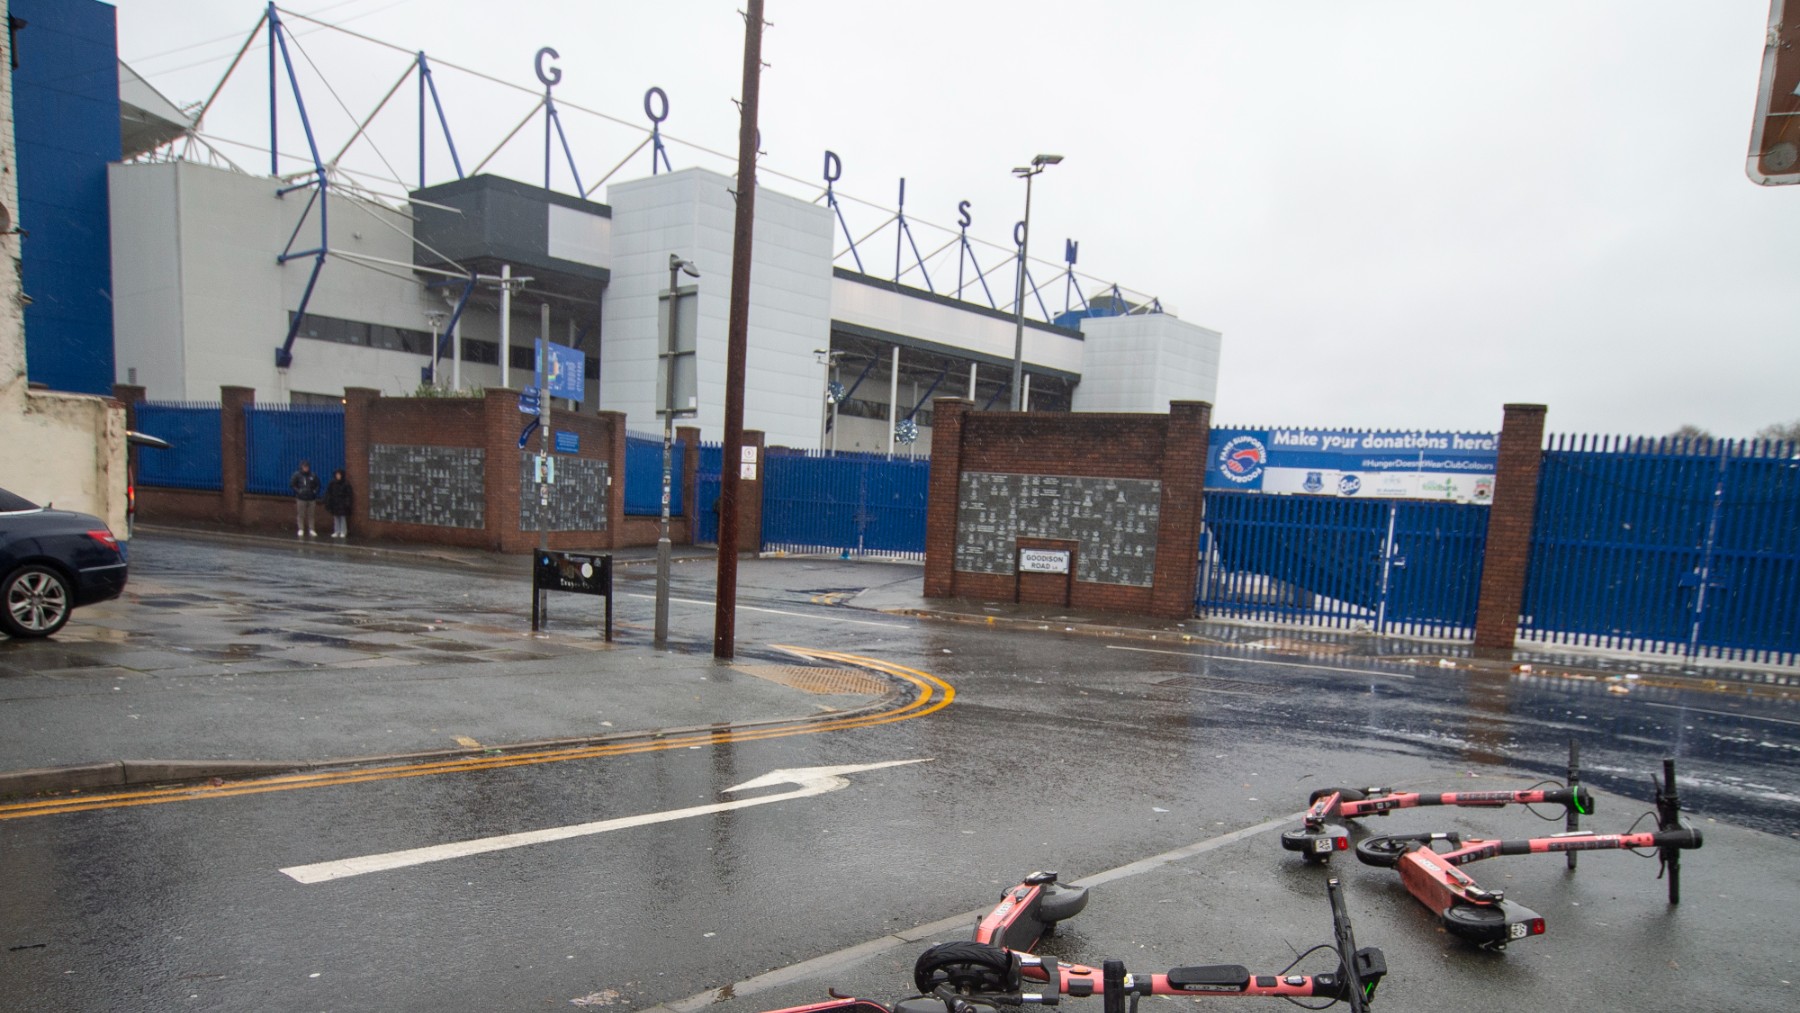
{"x":1406,"y":464}
{"x":568,"y":443}
{"x":563,"y":372}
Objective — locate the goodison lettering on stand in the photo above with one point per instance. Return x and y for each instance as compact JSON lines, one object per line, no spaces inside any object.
{"x":1415,"y":464}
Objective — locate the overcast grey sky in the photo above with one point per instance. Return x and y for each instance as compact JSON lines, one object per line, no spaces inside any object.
{"x":1400,"y":213}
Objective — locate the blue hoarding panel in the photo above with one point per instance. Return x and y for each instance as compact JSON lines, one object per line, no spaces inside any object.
{"x":66,"y":129}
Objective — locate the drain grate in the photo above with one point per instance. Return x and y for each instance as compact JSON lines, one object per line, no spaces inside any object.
{"x":818,"y":680}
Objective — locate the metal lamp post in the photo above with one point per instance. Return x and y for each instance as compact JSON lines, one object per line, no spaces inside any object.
{"x":677,"y":267}
{"x":1037,"y":165}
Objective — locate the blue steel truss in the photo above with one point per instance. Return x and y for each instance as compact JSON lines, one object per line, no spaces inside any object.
{"x":427,"y":86}
{"x":284,"y":355}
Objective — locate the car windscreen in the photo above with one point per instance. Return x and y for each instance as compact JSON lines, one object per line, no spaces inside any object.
{"x":10,"y":502}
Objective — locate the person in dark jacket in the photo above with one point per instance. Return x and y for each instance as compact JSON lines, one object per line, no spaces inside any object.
{"x":340,"y":499}
{"x":305,"y":486}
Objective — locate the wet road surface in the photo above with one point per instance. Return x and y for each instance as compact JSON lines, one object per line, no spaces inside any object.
{"x":1059,"y":752}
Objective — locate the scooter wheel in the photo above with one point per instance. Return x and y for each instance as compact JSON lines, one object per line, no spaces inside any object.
{"x":1345,"y":794}
{"x":967,"y":967}
{"x":1382,"y":852}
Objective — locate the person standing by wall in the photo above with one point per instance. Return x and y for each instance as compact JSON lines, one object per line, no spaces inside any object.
{"x":305,"y":486}
{"x":340,"y":499}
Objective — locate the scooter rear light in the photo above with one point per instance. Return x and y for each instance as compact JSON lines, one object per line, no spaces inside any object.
{"x":1342,"y":844}
{"x":104,"y":537}
{"x":1534,"y":926}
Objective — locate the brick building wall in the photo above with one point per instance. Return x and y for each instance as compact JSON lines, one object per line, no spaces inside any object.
{"x":1166,"y":449}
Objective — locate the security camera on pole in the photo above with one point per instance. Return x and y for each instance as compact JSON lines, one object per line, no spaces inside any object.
{"x":677,"y":397}
{"x":1037,"y":165}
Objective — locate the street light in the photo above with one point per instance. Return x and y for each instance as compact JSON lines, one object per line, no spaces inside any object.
{"x":1037,"y":165}
{"x":677,"y":268}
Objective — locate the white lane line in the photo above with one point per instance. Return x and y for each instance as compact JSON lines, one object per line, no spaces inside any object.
{"x":954,"y":924}
{"x":812,"y":781}
{"x":1722,"y":714}
{"x":1264,"y":661}
{"x":781,"y":612}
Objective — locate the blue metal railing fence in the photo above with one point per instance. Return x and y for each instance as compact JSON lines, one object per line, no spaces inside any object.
{"x":192,"y":460}
{"x":848,"y":504}
{"x":643,"y":476}
{"x":1390,"y":566}
{"x":706,"y":487}
{"x":1668,"y":546}
{"x":278,"y":437}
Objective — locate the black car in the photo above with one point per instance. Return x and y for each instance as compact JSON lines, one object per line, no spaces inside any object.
{"x":52,"y":562}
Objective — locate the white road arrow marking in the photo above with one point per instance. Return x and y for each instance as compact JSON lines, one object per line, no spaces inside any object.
{"x":812,"y":781}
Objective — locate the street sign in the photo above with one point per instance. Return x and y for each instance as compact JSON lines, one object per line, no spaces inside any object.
{"x":525,"y":434}
{"x":679,"y":399}
{"x":1775,"y":135}
{"x":529,"y":402}
{"x":1043,"y":561}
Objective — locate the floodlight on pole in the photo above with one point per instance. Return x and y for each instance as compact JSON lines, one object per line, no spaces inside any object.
{"x":1038,"y":164}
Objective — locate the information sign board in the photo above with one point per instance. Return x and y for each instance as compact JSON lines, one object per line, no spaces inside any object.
{"x":1404,"y":464}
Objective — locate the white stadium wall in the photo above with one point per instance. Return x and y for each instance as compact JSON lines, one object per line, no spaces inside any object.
{"x":691,"y":213}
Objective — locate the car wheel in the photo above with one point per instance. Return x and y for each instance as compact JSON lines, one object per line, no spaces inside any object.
{"x":37,"y":601}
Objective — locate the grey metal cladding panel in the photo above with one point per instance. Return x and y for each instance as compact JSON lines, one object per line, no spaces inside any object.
{"x":442,"y":486}
{"x":1114,"y":521}
{"x":577,"y":500}
{"x":518,"y":225}
{"x":458,"y":235}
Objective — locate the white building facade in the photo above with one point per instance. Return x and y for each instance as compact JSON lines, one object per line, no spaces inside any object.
{"x":201,"y":300}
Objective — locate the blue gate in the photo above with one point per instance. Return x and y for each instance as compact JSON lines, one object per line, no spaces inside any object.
{"x":278,"y":437}
{"x":1390,"y":566}
{"x":643,"y":476}
{"x":706,"y":487}
{"x":1672,"y":546}
{"x":192,"y":460}
{"x":846,"y":504}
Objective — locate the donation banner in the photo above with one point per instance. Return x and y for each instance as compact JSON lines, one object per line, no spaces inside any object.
{"x":1401,"y":464}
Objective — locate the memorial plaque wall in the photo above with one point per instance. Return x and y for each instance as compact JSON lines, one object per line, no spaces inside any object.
{"x":440,"y":486}
{"x":1114,"y":521}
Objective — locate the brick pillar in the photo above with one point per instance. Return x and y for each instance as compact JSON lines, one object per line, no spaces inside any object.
{"x":948,"y":415}
{"x":1510,"y":522}
{"x":614,"y":435}
{"x":359,"y":432}
{"x":690,"y":478}
{"x":750,"y":495}
{"x":130,"y":395}
{"x":1178,"y":527}
{"x":501,"y":421}
{"x":232,"y":466}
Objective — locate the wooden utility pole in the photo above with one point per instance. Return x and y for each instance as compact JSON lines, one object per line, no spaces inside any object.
{"x":725,"y":607}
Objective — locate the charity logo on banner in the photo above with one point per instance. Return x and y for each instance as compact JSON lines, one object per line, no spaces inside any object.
{"x":1364,"y":464}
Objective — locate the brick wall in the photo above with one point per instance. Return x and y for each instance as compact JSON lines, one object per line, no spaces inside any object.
{"x":1510,"y":522}
{"x":1170,"y":449}
{"x":490,"y":423}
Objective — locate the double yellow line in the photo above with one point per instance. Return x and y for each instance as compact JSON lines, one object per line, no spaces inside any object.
{"x":931,"y":694}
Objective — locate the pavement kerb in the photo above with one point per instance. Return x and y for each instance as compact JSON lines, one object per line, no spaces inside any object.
{"x":628,"y":556}
{"x":1784,"y":685}
{"x":141,"y":773}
